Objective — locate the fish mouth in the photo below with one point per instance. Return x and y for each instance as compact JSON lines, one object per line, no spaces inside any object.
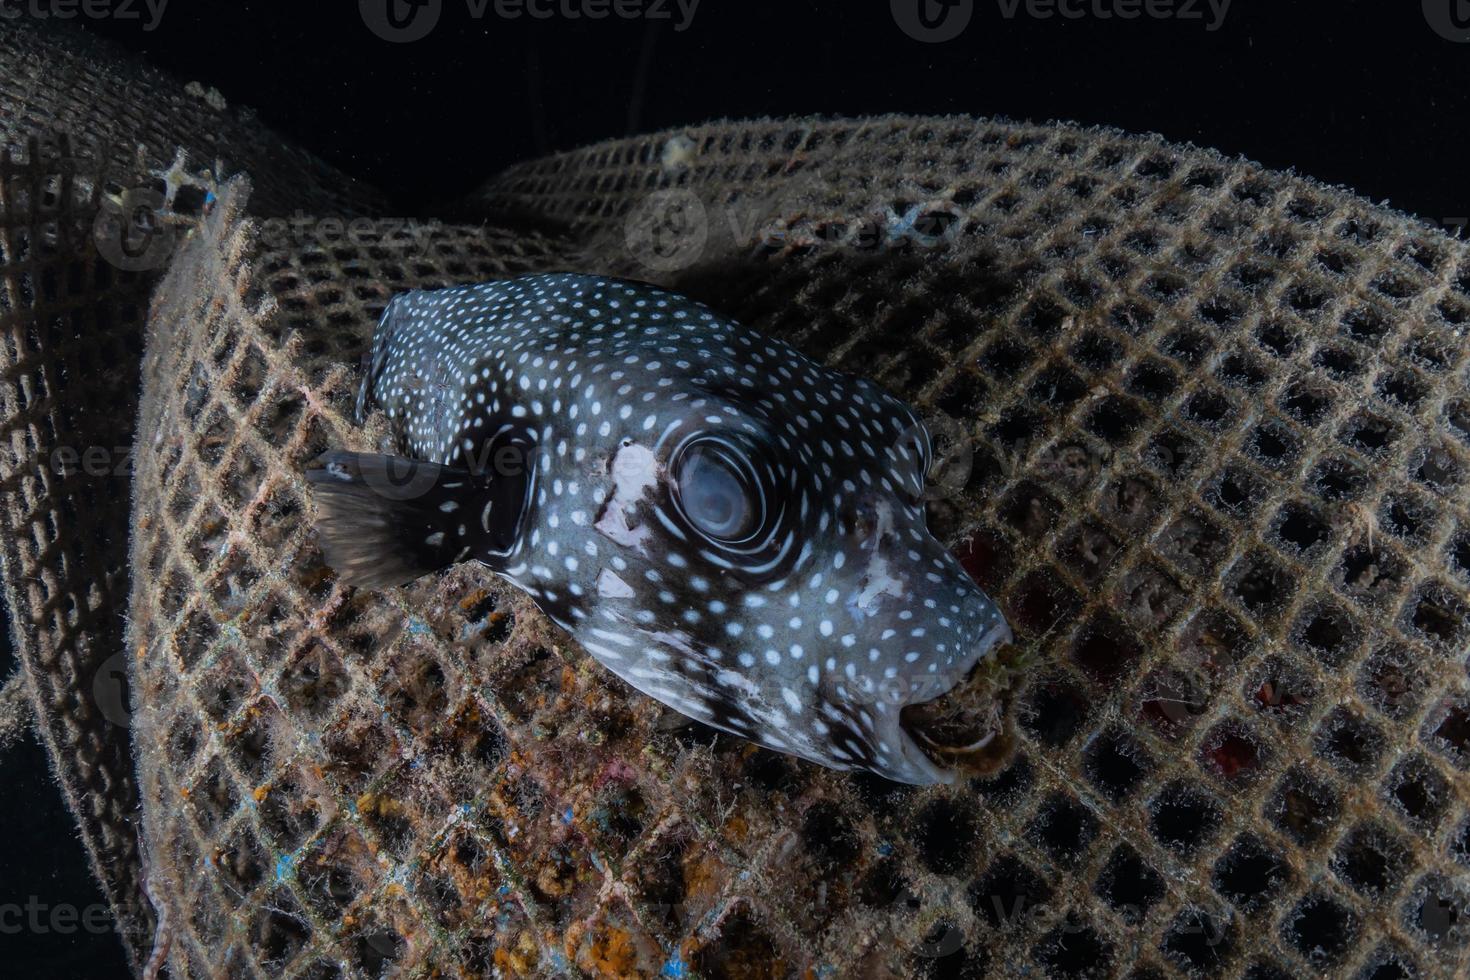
{"x":956,"y":730}
{"x":917,"y":766}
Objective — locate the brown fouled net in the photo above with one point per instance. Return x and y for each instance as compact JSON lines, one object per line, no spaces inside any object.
{"x":83,"y":133}
{"x":1222,"y":438}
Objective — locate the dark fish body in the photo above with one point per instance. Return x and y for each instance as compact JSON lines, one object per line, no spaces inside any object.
{"x":727,"y":525}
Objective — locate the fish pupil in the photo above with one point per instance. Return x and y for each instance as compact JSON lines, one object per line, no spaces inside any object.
{"x":718,"y":509}
{"x":715,"y":498}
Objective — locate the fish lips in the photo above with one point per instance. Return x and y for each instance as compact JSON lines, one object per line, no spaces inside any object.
{"x":893,"y":726}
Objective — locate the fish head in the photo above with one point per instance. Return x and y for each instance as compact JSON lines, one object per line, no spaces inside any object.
{"x":774,"y":542}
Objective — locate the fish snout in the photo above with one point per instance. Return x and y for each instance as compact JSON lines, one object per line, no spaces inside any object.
{"x":915,"y":586}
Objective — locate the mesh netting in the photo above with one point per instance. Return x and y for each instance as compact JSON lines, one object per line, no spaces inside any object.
{"x":1222,"y":431}
{"x":83,"y":130}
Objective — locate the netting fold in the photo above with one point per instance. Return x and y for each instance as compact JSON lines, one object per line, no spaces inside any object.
{"x":1219,"y":419}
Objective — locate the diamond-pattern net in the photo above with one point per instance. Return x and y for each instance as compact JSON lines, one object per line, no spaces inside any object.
{"x":81,"y":127}
{"x":1221,"y":426}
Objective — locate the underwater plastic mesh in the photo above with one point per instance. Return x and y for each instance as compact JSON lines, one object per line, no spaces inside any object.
{"x":85,"y":131}
{"x":1222,"y":423}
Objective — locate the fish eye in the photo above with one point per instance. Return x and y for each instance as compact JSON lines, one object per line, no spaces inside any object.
{"x":716,"y":495}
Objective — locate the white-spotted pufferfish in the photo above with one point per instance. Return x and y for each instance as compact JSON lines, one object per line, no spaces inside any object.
{"x":727,"y":525}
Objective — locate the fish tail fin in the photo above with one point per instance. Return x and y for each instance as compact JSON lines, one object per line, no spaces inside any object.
{"x":387,"y":520}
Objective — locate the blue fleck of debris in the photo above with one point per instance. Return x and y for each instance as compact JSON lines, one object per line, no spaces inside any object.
{"x":417,"y":627}
{"x":283,"y":866}
{"x":885,"y":848}
{"x":503,"y":890}
{"x":567,"y":817}
{"x":675,"y":968}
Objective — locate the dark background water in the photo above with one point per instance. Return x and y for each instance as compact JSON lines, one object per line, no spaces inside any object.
{"x":1358,"y":92}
